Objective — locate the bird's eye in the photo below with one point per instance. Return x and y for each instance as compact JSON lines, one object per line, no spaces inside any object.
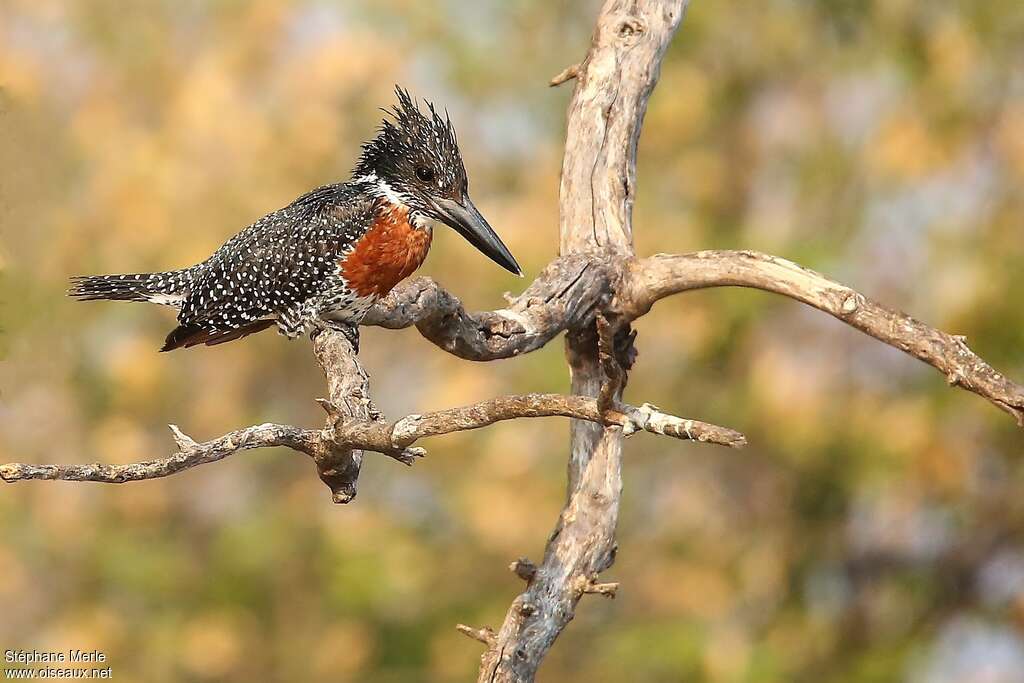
{"x":425,"y":174}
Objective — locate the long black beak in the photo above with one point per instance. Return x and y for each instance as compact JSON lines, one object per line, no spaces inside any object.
{"x":465,"y":218}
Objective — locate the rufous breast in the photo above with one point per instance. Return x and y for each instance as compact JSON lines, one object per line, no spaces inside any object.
{"x":390,"y":251}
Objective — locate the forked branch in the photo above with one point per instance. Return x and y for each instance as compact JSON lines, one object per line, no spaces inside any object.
{"x":639,"y":283}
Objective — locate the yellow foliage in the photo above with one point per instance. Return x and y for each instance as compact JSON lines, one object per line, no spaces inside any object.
{"x":1010,"y":138}
{"x":952,"y":52}
{"x":343,"y":651}
{"x":904,"y":148}
{"x":212,"y":645}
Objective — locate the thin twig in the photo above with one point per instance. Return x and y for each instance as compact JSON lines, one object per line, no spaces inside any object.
{"x":485,"y":635}
{"x":565,"y":75}
{"x":608,"y":590}
{"x":189,"y":454}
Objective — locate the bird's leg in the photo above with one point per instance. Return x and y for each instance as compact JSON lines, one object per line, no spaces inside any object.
{"x":350,"y":330}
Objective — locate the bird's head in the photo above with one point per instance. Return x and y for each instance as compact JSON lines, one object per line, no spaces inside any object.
{"x":415,"y":161}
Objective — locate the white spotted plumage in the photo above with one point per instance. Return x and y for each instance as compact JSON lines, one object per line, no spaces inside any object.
{"x":287,"y":269}
{"x":283,"y":268}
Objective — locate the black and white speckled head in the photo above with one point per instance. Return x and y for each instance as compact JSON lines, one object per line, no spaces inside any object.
{"x":415,"y":161}
{"x":415,"y":155}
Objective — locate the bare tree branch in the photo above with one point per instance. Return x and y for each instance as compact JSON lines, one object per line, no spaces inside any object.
{"x":189,"y":455}
{"x":565,"y":75}
{"x":639,"y":283}
{"x":381,"y":437}
{"x":485,"y":635}
{"x":608,"y":590}
{"x":348,"y":390}
{"x":395,"y":439}
{"x":596,"y":194}
{"x":564,"y":296}
{"x":654,"y":278}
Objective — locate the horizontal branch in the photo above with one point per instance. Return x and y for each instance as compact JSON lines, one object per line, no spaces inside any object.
{"x":394,"y":439}
{"x":651,"y":279}
{"x":376,"y":436}
{"x":528,"y":323}
{"x":533,"y":319}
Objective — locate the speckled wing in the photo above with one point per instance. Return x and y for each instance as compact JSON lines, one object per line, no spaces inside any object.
{"x":278,"y":270}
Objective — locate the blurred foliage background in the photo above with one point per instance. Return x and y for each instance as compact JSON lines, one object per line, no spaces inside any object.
{"x":871,"y":532}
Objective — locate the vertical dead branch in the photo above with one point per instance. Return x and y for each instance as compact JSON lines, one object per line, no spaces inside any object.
{"x":613,"y":85}
{"x":348,"y":390}
{"x":607,"y":110}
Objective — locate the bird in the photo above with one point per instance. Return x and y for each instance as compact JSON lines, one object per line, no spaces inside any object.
{"x":326,"y":258}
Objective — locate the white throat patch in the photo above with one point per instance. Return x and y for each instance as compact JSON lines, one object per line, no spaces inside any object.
{"x":421,"y":222}
{"x":385,"y":191}
{"x":388,"y":193}
{"x":382,"y":189}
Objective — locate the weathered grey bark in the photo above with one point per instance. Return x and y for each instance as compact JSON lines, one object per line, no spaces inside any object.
{"x":564,"y":296}
{"x":345,"y":435}
{"x":348,"y":391}
{"x":605,"y":116}
{"x":592,"y":292}
{"x":654,"y":278}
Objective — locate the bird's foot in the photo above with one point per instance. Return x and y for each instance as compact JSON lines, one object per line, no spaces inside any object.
{"x":350,"y":331}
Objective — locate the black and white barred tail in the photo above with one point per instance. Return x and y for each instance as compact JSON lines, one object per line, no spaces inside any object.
{"x":167,"y":288}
